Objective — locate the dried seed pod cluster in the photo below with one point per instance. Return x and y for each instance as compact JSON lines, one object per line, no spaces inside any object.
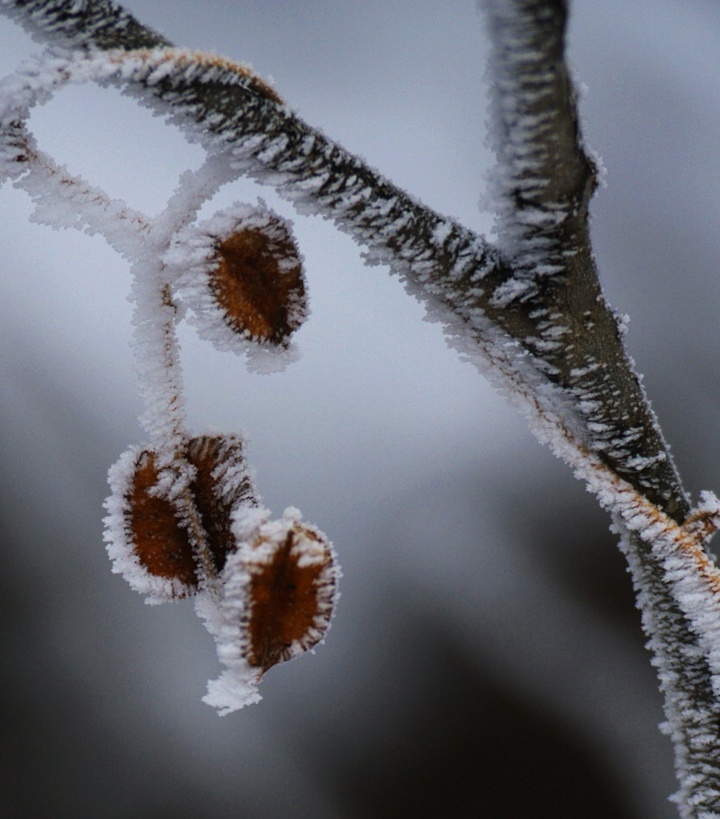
{"x":184,"y":519}
{"x":270,"y":586}
{"x":155,"y":536}
{"x":241,"y":274}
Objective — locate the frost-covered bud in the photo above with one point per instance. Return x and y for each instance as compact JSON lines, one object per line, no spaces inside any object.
{"x":279,"y":593}
{"x":289,"y":577}
{"x":241,"y":274}
{"x":258,"y":282}
{"x":150,"y":525}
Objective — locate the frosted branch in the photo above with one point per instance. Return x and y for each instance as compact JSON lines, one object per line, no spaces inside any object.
{"x":574,"y":345}
{"x":545,"y":178}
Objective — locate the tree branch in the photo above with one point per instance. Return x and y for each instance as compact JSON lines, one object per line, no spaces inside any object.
{"x":571,"y":334}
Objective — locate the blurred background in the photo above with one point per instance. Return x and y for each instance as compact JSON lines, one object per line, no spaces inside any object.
{"x":486,"y":658}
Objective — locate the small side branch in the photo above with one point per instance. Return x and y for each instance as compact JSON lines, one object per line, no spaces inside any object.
{"x":545,"y":177}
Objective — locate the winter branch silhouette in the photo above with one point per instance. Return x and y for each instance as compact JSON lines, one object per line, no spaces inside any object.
{"x":185,"y":518}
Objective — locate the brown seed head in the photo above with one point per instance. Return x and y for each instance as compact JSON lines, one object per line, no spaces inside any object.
{"x":258,"y":282}
{"x":158,"y":529}
{"x":153,"y":527}
{"x":291,"y":597}
{"x":221,"y":483}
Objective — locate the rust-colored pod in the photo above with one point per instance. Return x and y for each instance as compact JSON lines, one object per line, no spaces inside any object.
{"x":241,"y":274}
{"x":290,"y":602}
{"x":222,"y":483}
{"x":283,"y":582}
{"x":258,"y":281}
{"x":151,"y":536}
{"x":154,"y":531}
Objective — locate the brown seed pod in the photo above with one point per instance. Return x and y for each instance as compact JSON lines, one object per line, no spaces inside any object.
{"x":153,"y":527}
{"x":149,"y":534}
{"x":222,"y":483}
{"x":241,"y":273}
{"x":290,"y":600}
{"x":258,"y":281}
{"x":285,"y":581}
